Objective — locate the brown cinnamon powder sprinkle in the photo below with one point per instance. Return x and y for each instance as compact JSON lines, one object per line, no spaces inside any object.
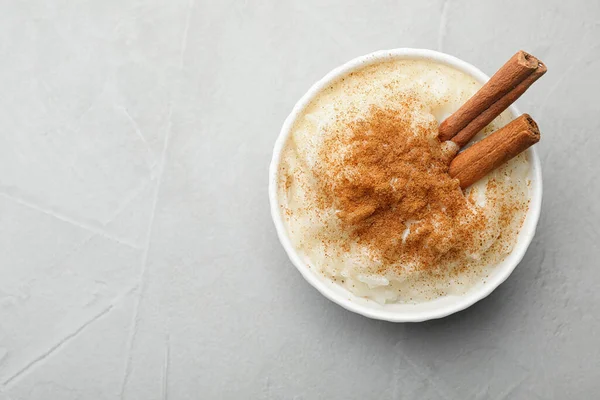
{"x":387,"y":173}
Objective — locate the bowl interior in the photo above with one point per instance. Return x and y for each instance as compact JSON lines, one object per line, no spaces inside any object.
{"x":403,"y":312}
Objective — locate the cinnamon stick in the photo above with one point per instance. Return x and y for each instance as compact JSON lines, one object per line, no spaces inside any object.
{"x":503,"y":88}
{"x":486,"y":155}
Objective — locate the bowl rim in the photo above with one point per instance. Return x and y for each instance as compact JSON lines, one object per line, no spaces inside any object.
{"x":464,"y":301}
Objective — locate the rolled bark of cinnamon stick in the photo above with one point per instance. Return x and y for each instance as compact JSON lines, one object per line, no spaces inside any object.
{"x":486,"y":155}
{"x":503,"y":89}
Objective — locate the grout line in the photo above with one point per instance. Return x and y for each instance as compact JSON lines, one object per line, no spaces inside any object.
{"x":57,"y":346}
{"x":166,"y":368}
{"x":443,"y":29}
{"x":71,"y":221}
{"x":137,"y":130}
{"x":185,"y":33}
{"x":116,"y":300}
{"x":142,"y":279}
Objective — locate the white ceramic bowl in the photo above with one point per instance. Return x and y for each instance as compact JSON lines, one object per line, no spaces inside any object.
{"x":402,"y":312}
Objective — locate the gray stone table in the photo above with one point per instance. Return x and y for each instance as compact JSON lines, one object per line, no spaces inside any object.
{"x":138,"y":259}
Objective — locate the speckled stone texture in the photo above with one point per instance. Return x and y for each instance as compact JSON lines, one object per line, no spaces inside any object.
{"x":137,"y":255}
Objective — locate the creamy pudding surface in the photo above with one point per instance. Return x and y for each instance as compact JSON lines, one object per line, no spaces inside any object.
{"x":366,"y":198}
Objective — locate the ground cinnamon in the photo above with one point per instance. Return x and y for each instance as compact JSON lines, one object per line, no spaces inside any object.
{"x":388,"y":177}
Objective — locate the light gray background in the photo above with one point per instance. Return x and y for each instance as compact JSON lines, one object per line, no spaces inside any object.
{"x":137,"y":255}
